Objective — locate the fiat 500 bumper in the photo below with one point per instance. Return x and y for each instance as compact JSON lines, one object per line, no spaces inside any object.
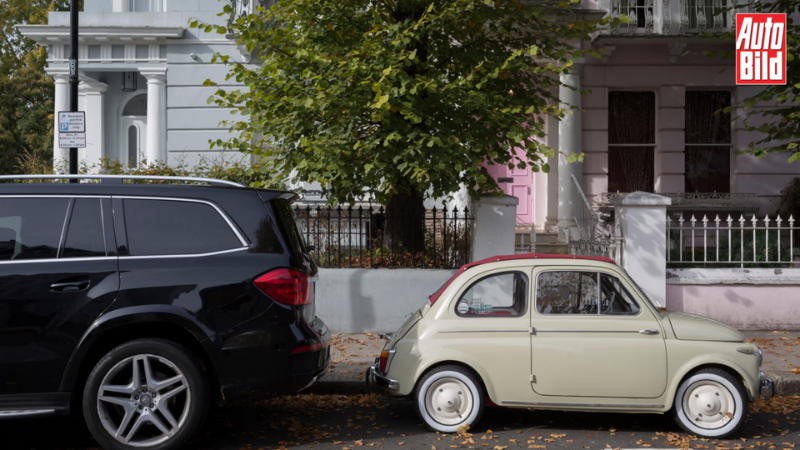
{"x":374,"y":377}
{"x":766,"y":387}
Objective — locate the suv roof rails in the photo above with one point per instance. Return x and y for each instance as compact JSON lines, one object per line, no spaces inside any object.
{"x":117,"y":179}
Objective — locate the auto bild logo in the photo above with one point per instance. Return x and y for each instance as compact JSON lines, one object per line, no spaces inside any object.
{"x":760,"y":48}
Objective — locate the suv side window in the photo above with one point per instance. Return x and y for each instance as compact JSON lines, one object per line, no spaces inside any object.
{"x":85,"y":237}
{"x":500,"y":294}
{"x":576,"y":292}
{"x":171,"y":227}
{"x":30,"y":228}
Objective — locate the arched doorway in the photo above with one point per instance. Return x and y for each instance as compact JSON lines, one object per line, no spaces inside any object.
{"x":133,"y":131}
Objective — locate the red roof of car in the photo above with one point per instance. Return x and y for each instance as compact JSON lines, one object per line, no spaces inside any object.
{"x":435,"y":295}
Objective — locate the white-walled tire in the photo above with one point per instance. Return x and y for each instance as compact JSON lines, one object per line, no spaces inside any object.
{"x":710,"y":403}
{"x":448,"y":397}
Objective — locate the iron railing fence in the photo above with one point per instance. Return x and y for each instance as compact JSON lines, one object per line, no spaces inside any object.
{"x":582,"y":212}
{"x":733,"y":242}
{"x":608,"y":245}
{"x":370,"y":236}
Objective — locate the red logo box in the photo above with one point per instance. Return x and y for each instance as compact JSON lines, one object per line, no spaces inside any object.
{"x":761,"y":49}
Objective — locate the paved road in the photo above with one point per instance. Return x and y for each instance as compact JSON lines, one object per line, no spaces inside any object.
{"x":346,"y":422}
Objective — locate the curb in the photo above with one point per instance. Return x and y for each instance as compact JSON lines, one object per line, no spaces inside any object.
{"x":785,"y":384}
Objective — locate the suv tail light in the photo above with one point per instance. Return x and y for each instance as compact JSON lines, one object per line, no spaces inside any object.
{"x":385,"y":361}
{"x":287,"y":286}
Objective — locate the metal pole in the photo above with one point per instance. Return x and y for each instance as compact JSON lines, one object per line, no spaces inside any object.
{"x":73,"y":78}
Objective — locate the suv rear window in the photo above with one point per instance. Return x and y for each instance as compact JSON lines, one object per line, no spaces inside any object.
{"x":288,"y":225}
{"x":30,"y":228}
{"x":170,"y":227}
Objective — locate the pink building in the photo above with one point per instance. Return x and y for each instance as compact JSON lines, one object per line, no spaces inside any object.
{"x":649,"y":123}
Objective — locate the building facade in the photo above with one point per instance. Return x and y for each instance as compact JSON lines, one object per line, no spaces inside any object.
{"x":142,"y":70}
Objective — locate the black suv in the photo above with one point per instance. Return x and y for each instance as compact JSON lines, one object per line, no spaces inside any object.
{"x":140,"y":305}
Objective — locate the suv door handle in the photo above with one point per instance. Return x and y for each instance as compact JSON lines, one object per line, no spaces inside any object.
{"x":648,"y":331}
{"x":70,"y":286}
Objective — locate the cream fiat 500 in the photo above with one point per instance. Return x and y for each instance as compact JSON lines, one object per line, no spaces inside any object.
{"x":566,"y":333}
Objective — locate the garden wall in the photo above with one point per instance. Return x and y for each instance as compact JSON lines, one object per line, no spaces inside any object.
{"x":747,"y":299}
{"x":373,"y":300}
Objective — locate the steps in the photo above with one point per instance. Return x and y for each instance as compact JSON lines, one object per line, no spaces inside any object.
{"x":546,"y":242}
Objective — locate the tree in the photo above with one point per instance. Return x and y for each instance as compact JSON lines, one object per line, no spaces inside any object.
{"x":26,"y":103}
{"x":782,"y":132}
{"x":399,"y":99}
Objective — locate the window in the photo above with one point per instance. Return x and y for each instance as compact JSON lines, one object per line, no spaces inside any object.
{"x":144,"y":5}
{"x":707,"y":10}
{"x":165,"y":227}
{"x":708,"y":142}
{"x":615,"y":298}
{"x":631,"y":141}
{"x":576,"y":292}
{"x":288,"y":224}
{"x":85,"y":236}
{"x":567,"y":292}
{"x":502,"y":294}
{"x":30,"y":228}
{"x":133,"y":146}
{"x":638,"y":8}
{"x":137,"y":106}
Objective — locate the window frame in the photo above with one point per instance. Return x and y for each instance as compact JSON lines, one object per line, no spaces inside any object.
{"x":730,"y":145}
{"x":483,"y":276}
{"x":64,"y":228}
{"x":598,"y":272}
{"x":122,"y":231}
{"x":655,"y":145}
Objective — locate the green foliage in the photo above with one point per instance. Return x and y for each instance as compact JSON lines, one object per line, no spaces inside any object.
{"x":26,"y":92}
{"x":399,"y":97}
{"x":782,"y":130}
{"x":737,"y":253}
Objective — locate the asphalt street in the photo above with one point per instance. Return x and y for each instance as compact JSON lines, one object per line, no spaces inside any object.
{"x":345,"y":422}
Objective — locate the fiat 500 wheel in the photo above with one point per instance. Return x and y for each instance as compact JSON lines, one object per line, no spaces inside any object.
{"x":711,"y":403}
{"x":147,"y":393}
{"x":448,"y":397}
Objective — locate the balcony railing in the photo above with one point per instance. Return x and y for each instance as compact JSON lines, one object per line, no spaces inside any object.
{"x":675,"y":17}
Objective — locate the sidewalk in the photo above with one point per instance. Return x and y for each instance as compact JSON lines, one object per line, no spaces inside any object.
{"x":781,"y":362}
{"x":352,"y":354}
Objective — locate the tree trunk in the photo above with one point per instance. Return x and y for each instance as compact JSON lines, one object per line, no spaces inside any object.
{"x":404,"y":228}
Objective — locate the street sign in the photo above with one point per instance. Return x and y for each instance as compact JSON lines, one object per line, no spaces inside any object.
{"x":71,"y":122}
{"x":72,"y":140}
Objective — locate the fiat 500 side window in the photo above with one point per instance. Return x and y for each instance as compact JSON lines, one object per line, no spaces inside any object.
{"x":501,"y":294}
{"x":582,"y":293}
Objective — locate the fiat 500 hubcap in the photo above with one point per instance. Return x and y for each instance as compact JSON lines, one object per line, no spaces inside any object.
{"x":709,"y":404}
{"x":448,"y":401}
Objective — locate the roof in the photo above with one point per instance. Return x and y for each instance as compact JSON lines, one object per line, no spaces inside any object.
{"x":435,"y":295}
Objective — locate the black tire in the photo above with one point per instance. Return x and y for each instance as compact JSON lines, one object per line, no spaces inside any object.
{"x":725,"y":384}
{"x":473,"y":398}
{"x":194,"y":397}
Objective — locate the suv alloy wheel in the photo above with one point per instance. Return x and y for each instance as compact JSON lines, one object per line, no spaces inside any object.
{"x":147,"y":393}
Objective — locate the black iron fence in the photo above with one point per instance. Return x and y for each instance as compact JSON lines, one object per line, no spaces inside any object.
{"x":370,"y":236}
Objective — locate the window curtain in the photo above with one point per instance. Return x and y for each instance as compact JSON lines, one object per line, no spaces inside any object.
{"x":631,"y":120}
{"x":707,"y":167}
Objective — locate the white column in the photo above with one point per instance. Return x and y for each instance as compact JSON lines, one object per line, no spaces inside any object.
{"x":93,"y":104}
{"x":156,"y":114}
{"x":551,"y":219}
{"x":642,"y":218}
{"x":569,"y":141}
{"x":494,"y":227}
{"x":61,"y":103}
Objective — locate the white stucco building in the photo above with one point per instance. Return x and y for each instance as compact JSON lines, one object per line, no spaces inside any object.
{"x":142,"y":70}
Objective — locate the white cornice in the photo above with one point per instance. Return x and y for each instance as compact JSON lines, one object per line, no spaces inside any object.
{"x":47,"y":34}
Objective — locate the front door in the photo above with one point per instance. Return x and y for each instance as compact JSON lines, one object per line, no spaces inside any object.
{"x":58,"y":272}
{"x":134,"y":140}
{"x":518,"y":183}
{"x":592,"y":338}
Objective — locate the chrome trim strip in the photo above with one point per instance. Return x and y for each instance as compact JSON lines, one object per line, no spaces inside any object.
{"x":52,"y":260}
{"x":192,"y":200}
{"x":52,"y":196}
{"x":210,"y":181}
{"x":26,"y":412}
{"x":581,"y":405}
{"x":483,"y":331}
{"x":198,"y":255}
{"x":587,"y":331}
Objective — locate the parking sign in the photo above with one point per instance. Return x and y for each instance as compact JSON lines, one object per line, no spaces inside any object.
{"x":71,"y":122}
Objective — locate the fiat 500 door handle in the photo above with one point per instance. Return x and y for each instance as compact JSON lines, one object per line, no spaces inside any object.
{"x":648,"y":331}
